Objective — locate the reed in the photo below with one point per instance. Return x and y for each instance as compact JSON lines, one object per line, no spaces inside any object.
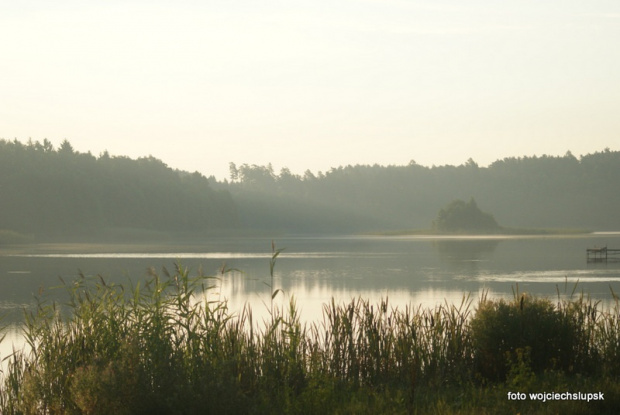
{"x":164,"y":347}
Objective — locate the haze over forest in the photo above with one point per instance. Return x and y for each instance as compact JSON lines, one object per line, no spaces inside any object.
{"x":52,"y":193}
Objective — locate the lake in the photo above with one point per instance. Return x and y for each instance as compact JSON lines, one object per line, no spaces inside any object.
{"x":412,"y":270}
{"x":417,"y":270}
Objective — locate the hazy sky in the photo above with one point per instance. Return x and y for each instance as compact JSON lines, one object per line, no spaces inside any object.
{"x":312,"y":84}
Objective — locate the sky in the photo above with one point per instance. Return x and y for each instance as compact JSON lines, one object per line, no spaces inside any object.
{"x":312,"y":84}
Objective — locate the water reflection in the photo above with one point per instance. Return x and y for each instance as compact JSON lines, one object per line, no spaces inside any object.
{"x":312,"y":297}
{"x":465,"y":250}
{"x":408,"y":270}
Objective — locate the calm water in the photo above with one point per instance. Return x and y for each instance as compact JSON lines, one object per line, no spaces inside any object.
{"x":407,"y":270}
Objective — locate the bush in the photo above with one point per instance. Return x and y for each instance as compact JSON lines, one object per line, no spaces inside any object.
{"x":502,"y":329}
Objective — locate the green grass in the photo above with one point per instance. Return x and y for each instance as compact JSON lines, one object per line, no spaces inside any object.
{"x":162,"y":347}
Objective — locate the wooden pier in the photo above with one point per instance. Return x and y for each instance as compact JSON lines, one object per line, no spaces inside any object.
{"x":602,"y":254}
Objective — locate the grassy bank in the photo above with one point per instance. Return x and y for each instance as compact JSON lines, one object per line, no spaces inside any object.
{"x":163,"y":348}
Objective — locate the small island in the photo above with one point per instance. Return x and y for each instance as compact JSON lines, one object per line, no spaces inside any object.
{"x":466,"y":218}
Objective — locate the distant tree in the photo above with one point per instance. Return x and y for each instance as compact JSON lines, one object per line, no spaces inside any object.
{"x":234,"y":173}
{"x":285,"y":172}
{"x":460,"y":216}
{"x":47,"y":146}
{"x":288,"y":181}
{"x":309,"y":176}
{"x":259,"y":177}
{"x":65,"y":148}
{"x":471,"y":163}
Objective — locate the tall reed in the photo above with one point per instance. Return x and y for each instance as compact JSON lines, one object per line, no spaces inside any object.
{"x":165,"y":347}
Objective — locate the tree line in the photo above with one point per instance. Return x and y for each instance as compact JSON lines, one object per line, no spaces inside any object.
{"x":60,"y":191}
{"x":55,"y":192}
{"x":546,"y":191}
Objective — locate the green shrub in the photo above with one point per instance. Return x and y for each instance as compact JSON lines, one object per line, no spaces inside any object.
{"x":500,"y":329}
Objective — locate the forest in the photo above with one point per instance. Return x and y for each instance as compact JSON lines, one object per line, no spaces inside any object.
{"x":528,"y":192}
{"x":48,"y":193}
{"x":56,"y":193}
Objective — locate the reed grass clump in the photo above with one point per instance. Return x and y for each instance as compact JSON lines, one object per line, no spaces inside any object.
{"x":164,"y":347}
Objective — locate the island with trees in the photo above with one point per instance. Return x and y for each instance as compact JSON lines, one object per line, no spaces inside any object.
{"x":464,"y":217}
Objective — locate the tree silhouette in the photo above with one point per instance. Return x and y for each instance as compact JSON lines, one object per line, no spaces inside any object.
{"x":460,"y":216}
